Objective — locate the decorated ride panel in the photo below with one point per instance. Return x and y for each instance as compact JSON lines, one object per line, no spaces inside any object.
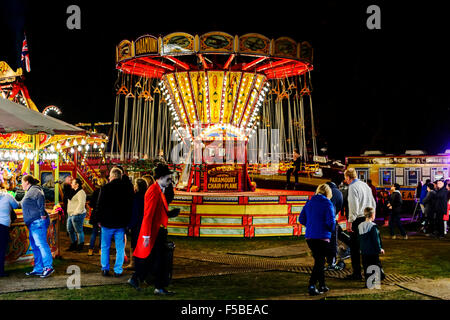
{"x":178,"y":43}
{"x":217,"y":42}
{"x":275,"y":58}
{"x":264,"y":213}
{"x":253,"y":43}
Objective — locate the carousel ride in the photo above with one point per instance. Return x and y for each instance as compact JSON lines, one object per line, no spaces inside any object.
{"x":217,"y":107}
{"x":35,"y":143}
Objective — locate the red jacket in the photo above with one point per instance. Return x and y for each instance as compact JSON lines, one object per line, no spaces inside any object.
{"x":155,"y":215}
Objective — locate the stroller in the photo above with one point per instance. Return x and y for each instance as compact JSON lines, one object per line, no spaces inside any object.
{"x":343,"y":248}
{"x":342,"y":243}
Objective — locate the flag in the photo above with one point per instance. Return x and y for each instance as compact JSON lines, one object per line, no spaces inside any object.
{"x":25,"y":55}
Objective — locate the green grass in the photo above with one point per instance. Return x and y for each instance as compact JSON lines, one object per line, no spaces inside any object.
{"x":247,"y":286}
{"x":389,"y":295}
{"x":417,"y":256}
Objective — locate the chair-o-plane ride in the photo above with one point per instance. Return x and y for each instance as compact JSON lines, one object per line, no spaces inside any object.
{"x":200,"y":100}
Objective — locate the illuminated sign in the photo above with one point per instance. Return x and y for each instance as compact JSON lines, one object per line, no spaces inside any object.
{"x":223,"y":177}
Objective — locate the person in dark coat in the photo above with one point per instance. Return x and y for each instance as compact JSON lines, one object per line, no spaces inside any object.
{"x":373,"y":188}
{"x":428,"y":204}
{"x":67,"y":194}
{"x":371,"y":246}
{"x":294,"y":170}
{"x":440,"y":208}
{"x":337,"y":201}
{"x":93,"y":220}
{"x":140,"y":187}
{"x":395,"y":204}
{"x":382,"y":206}
{"x":114,"y":206}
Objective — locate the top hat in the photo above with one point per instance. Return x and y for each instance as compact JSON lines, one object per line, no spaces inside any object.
{"x":162,"y":170}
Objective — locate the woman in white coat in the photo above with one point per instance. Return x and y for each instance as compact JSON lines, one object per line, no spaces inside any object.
{"x":76,"y":210}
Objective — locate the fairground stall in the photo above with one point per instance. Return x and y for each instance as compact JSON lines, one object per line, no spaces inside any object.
{"x":37,"y":144}
{"x":406,"y":169}
{"x":213,"y":105}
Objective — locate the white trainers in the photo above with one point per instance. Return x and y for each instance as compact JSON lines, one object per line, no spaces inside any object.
{"x":47,"y":272}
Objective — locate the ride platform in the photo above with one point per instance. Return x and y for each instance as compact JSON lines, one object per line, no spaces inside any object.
{"x":262,"y":213}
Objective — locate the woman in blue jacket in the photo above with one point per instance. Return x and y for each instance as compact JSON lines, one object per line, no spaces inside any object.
{"x":319,"y":219}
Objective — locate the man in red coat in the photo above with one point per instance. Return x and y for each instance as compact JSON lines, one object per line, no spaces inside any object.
{"x":151,"y":245}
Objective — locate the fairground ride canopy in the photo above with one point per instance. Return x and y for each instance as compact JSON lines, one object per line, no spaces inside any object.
{"x":214,"y":79}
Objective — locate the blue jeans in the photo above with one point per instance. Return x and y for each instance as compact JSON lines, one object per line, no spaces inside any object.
{"x":38,"y":240}
{"x":75,"y":227}
{"x":95,"y":230}
{"x":119,"y":240}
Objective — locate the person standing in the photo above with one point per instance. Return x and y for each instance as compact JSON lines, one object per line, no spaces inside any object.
{"x":76,"y":211}
{"x":382,"y":206}
{"x":67,"y":194}
{"x":93,"y":220}
{"x":429,"y":213}
{"x":7,"y":203}
{"x":140,"y":187}
{"x":127,"y":182}
{"x":373,"y":188}
{"x":440,"y":208}
{"x":447,"y":216}
{"x":151,"y":246}
{"x":359,"y":197}
{"x":295,"y":170}
{"x":114,"y":213}
{"x":395,"y":205}
{"x":337,"y":201}
{"x":318,"y":217}
{"x":37,"y":221}
{"x":370,"y":244}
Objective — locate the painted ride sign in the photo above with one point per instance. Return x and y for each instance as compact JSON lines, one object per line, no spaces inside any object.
{"x":223,"y":177}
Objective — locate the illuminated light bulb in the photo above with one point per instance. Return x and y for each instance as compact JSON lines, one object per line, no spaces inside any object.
{"x":52,"y":148}
{"x":79,"y":148}
{"x":102,"y":145}
{"x":75,"y":142}
{"x":83,"y":142}
{"x":67,"y":143}
{"x":58,"y":146}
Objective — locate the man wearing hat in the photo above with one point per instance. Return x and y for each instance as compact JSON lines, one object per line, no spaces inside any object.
{"x":395,"y":204}
{"x":151,"y":245}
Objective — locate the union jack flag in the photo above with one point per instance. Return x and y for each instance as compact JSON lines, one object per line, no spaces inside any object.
{"x":25,"y":54}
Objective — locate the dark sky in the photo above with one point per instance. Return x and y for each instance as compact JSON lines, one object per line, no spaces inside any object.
{"x":382,"y":89}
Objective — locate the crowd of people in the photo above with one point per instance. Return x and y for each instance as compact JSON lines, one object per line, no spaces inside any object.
{"x":360,"y":202}
{"x":434,"y":200}
{"x":118,"y":209}
{"x":140,"y":211}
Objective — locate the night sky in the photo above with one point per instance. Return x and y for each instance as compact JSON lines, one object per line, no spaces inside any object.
{"x":382,"y":89}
